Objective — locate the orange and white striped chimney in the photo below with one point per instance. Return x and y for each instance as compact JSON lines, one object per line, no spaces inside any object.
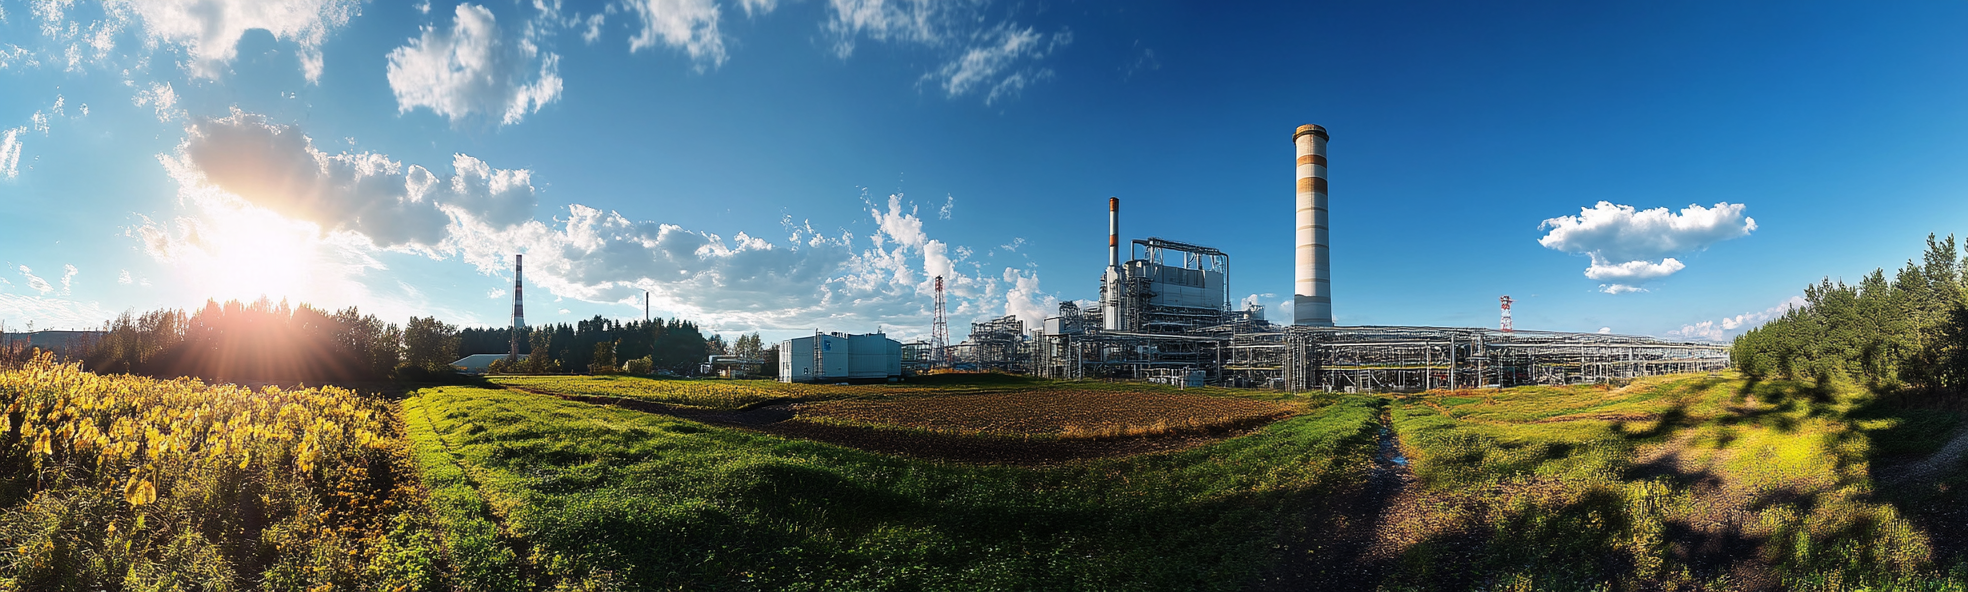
{"x":1312,"y":292}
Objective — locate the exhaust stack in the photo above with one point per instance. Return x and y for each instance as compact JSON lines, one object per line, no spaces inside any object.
{"x":519,"y":309}
{"x":1312,"y":292}
{"x":1113,"y":232}
{"x":1110,"y":305}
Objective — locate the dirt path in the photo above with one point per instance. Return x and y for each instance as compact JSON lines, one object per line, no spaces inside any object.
{"x":1937,"y":463}
{"x":780,"y":419}
{"x":1340,"y":542}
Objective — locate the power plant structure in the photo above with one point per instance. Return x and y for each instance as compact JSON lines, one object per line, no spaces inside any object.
{"x":1167,"y":312}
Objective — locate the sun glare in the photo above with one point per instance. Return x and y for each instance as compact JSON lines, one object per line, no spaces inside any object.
{"x":243,"y":253}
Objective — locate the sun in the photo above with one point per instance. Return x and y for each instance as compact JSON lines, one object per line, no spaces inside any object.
{"x":237,"y":252}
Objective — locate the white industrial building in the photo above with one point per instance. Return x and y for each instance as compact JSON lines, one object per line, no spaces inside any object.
{"x":840,"y":357}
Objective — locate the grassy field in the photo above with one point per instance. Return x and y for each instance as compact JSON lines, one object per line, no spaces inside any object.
{"x":579,"y":496}
{"x":1679,"y":483}
{"x":1674,"y":483}
{"x":1670,"y":483}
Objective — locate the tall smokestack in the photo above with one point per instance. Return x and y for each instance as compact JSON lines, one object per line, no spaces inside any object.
{"x":1110,"y":305}
{"x":1113,"y":232}
{"x":1312,"y":293}
{"x":519,"y":308}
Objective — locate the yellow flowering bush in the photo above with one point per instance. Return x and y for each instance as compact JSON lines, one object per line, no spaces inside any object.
{"x":129,"y":483}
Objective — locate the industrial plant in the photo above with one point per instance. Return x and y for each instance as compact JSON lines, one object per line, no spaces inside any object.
{"x":1165,"y":314}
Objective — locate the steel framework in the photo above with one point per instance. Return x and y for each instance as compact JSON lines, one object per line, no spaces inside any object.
{"x":1254,"y":353}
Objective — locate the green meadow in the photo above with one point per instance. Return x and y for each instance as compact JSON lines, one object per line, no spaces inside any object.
{"x":1679,"y":483}
{"x":1692,"y":482}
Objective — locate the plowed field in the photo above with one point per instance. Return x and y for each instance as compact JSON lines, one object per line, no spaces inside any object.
{"x":1052,"y":412}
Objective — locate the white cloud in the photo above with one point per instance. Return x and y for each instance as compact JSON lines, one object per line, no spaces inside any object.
{"x":691,"y":25}
{"x":1605,"y":330}
{"x":495,"y":293}
{"x":473,"y":70}
{"x":920,"y":21}
{"x":593,"y":32}
{"x":160,"y":97}
{"x":1619,"y":288}
{"x":1024,"y":300}
{"x":35,"y":282}
{"x":10,"y":152}
{"x":1702,"y":331}
{"x":997,"y":60}
{"x":68,"y":278}
{"x":209,"y":30}
{"x":1718,"y":330}
{"x":1632,"y":272}
{"x":389,"y":204}
{"x":949,"y":204}
{"x":50,"y":14}
{"x":124,"y":278}
{"x":1629,"y":247}
{"x":51,"y":313}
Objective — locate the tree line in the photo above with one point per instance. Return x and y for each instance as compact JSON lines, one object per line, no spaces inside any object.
{"x":268,"y":341}
{"x":1907,"y":332}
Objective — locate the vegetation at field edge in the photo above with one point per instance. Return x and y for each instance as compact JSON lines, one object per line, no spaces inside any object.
{"x":127,"y":483}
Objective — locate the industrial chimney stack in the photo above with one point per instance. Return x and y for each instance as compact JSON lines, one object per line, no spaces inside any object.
{"x":1110,"y":306}
{"x":519,"y":309}
{"x":1312,"y":293}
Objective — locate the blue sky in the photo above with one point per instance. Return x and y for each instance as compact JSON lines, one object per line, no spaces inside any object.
{"x":781,"y":166}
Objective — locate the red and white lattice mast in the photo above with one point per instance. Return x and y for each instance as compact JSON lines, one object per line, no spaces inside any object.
{"x":1506,"y":315}
{"x":939,"y":333}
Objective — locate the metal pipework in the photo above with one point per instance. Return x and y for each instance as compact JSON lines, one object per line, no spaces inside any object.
{"x":1110,"y":305}
{"x":1312,"y":291}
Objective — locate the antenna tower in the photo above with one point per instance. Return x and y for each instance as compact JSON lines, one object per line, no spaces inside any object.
{"x":519,"y":309}
{"x":939,"y":333}
{"x":1506,"y":315}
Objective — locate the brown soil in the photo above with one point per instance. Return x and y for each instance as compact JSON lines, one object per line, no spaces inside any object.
{"x":780,"y":420}
{"x":1050,"y":412}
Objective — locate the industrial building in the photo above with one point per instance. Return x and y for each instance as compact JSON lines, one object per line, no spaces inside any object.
{"x":831,"y":357}
{"x":1166,"y":312}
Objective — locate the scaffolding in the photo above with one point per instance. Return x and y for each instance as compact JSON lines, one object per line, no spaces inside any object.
{"x":997,"y":344}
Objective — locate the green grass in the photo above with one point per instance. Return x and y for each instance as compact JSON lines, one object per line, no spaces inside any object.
{"x":1683,"y":483}
{"x":611,"y":498}
{"x":1676,"y":483}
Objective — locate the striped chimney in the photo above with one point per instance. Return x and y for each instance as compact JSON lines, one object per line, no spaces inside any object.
{"x":519,"y":308}
{"x":1110,"y":308}
{"x":1312,"y":293}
